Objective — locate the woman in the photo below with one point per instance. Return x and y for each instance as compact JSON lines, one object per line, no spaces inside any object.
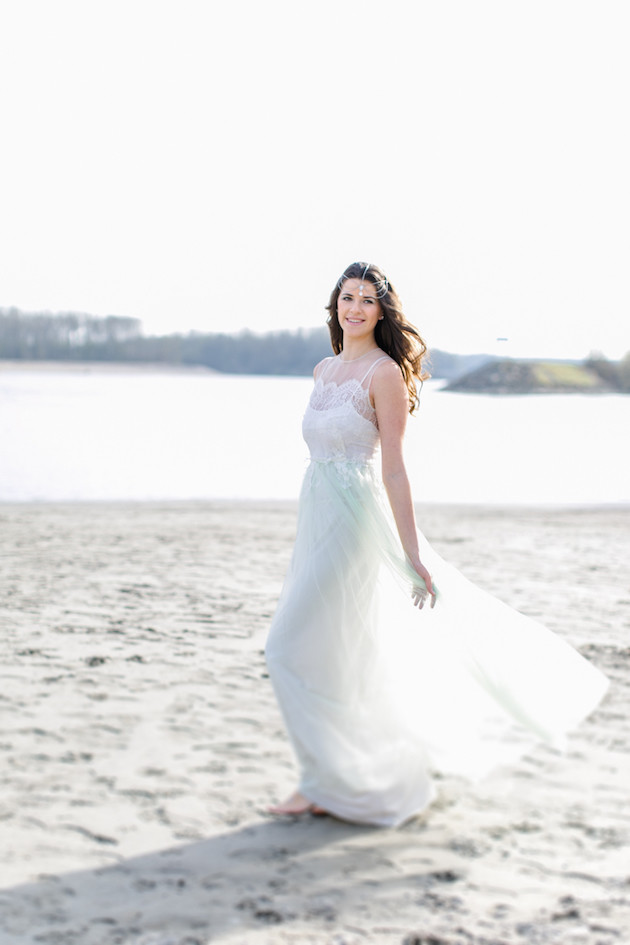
{"x":374,"y":695}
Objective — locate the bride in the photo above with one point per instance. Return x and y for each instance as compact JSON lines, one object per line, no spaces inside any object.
{"x":376,"y":696}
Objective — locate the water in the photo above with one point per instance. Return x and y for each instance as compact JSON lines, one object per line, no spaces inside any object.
{"x":102,"y":434}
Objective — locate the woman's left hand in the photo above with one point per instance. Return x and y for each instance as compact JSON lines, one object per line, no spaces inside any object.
{"x":419,"y":594}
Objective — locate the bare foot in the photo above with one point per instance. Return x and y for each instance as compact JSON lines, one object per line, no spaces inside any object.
{"x":295,"y":805}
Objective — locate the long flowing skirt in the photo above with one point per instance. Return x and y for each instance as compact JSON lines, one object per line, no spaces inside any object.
{"x":376,"y":694}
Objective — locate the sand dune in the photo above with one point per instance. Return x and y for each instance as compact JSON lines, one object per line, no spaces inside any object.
{"x":141,"y":742}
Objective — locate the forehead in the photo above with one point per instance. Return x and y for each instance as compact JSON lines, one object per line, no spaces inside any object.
{"x":361,"y":286}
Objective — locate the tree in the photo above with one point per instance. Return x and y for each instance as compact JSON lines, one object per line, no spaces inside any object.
{"x":624,"y":372}
{"x":607,"y":370}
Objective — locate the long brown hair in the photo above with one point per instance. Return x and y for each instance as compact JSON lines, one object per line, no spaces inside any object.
{"x":393,"y":333}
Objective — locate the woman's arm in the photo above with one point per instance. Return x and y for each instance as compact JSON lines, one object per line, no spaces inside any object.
{"x":391,"y":402}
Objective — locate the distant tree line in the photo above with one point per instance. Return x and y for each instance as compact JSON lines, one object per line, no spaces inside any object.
{"x":66,"y":336}
{"x":78,"y":337}
{"x":616,"y":374}
{"x":70,"y":336}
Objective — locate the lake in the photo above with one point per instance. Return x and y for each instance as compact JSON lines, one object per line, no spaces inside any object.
{"x":100,"y":433}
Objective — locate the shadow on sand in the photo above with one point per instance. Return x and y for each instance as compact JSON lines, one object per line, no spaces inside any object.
{"x":263,"y":874}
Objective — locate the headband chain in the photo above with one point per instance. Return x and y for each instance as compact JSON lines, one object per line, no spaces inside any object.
{"x":381,"y":286}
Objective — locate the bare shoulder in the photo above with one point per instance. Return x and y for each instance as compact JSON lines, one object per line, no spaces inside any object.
{"x":386,"y":367}
{"x":387,"y":381}
{"x":318,"y":367}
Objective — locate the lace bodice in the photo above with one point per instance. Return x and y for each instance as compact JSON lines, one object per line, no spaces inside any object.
{"x":340,"y":423}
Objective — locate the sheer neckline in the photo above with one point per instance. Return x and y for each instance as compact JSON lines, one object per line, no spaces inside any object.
{"x":360,"y":358}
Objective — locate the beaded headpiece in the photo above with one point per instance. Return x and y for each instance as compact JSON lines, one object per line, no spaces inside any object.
{"x":381,"y":285}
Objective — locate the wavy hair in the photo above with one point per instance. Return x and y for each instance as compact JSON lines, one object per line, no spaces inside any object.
{"x":393,"y":333}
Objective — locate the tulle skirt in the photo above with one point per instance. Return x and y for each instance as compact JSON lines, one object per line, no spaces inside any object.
{"x":376,"y":694}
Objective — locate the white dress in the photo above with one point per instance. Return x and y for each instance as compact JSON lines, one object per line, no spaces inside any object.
{"x":376,"y":694}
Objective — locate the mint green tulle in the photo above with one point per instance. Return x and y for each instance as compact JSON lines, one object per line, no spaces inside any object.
{"x":376,"y":694}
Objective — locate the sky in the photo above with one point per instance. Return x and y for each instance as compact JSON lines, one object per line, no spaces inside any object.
{"x":214,"y":166}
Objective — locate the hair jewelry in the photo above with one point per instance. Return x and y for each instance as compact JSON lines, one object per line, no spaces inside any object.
{"x":381,"y":285}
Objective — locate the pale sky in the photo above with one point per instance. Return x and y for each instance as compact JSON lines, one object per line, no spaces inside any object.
{"x":216,"y":165}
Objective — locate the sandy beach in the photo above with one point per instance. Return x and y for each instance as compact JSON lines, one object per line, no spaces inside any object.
{"x":141,"y":742}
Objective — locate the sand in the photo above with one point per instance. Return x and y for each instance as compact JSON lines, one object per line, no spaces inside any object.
{"x":141,"y":742}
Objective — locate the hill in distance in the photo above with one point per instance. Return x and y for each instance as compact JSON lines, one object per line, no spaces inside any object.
{"x":508,"y":376}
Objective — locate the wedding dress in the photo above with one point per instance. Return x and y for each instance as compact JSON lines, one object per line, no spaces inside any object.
{"x":376,"y":694}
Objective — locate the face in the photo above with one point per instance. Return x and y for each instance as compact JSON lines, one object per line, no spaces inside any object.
{"x":358,"y":308}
